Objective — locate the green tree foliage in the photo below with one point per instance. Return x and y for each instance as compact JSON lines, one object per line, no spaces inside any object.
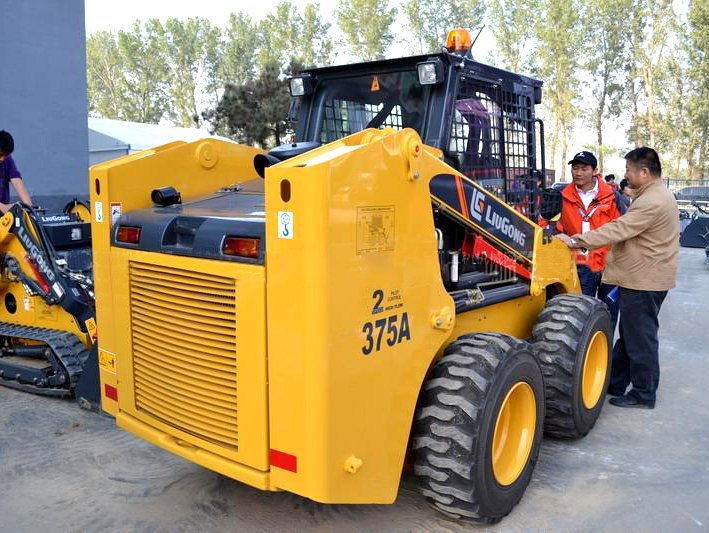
{"x":558,"y":56}
{"x":675,"y":139}
{"x":187,"y":59}
{"x":429,"y":21}
{"x":104,"y":73}
{"x":650,"y":22}
{"x":510,"y":21}
{"x":146,"y":72}
{"x":698,"y":79}
{"x":254,"y":112}
{"x":366,"y":25}
{"x":415,"y":23}
{"x":128,"y":75}
{"x":236,"y":61}
{"x":289,"y":35}
{"x":607,"y":49}
{"x":316,"y":42}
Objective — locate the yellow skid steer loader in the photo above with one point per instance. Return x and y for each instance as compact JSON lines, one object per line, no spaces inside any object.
{"x":303,"y":320}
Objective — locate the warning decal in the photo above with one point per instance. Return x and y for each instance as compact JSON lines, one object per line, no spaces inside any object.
{"x":375,"y":229}
{"x":375,"y":84}
{"x":116,"y":212}
{"x":107,"y":361}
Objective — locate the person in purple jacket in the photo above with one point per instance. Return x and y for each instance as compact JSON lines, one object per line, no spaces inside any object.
{"x":10,"y":174}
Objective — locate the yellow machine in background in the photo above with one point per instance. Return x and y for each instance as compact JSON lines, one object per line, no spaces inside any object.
{"x":378,"y":293}
{"x":47,"y":324}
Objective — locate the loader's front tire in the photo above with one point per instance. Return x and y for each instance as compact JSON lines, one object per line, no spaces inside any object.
{"x":572,"y":341}
{"x":478,"y":427}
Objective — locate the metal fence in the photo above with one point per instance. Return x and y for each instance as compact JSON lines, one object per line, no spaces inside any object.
{"x":689,"y":190}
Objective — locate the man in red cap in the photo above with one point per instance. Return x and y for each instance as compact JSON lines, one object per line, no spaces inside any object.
{"x":587,"y":203}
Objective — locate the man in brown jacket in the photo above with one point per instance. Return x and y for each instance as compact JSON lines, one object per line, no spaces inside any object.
{"x":643,"y":264}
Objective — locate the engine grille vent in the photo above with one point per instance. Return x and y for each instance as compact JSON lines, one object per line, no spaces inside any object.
{"x":183,"y":328}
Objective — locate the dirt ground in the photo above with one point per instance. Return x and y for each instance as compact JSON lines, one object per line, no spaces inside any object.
{"x":65,"y":469}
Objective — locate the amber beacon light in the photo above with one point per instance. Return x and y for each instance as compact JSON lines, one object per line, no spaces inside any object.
{"x":458,"y":41}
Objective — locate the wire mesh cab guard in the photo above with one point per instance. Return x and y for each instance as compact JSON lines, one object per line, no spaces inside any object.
{"x":492,"y":140}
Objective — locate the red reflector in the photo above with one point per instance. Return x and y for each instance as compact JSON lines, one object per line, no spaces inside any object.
{"x":129,"y":234}
{"x":283,"y":460}
{"x":111,"y":392}
{"x":242,"y":247}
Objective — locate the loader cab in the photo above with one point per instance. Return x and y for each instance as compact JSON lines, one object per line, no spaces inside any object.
{"x":481,"y":117}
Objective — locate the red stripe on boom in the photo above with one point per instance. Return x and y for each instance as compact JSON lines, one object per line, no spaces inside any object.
{"x":483,"y":248}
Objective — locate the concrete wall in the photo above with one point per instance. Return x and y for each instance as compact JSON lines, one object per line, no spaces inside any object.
{"x":43,"y":94}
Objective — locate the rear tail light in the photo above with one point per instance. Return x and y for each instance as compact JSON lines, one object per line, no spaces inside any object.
{"x":128,"y":234}
{"x":242,"y":247}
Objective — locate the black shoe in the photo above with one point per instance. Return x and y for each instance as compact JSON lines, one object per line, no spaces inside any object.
{"x":629,"y":401}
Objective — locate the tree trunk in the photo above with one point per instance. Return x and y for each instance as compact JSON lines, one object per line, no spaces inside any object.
{"x":599,"y":138}
{"x":650,"y":110}
{"x":564,"y":149}
{"x":551,"y":153}
{"x":636,"y":115}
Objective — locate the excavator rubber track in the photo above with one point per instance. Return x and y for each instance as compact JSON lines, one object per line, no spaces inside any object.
{"x":64,"y":360}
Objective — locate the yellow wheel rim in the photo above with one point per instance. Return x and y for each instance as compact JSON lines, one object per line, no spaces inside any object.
{"x":81,"y":211}
{"x":514,"y":433}
{"x":595,"y":367}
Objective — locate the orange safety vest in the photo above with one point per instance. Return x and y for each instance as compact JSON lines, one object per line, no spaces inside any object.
{"x":602,"y":209}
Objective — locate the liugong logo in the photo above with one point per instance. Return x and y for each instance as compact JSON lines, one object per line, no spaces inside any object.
{"x":489,"y":219}
{"x":477,"y":205}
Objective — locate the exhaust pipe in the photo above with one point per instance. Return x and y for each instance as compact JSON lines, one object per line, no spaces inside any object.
{"x":262,"y":162}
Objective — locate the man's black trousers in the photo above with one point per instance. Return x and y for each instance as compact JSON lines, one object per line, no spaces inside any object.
{"x":591,"y":285}
{"x":635,"y":354}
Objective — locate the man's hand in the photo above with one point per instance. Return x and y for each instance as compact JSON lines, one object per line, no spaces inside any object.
{"x":4,"y":208}
{"x":563,"y":237}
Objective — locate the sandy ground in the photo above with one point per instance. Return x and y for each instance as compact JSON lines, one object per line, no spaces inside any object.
{"x":65,"y":469}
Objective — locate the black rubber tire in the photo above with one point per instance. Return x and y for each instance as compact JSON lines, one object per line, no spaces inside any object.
{"x":560,"y":340}
{"x":455,"y":422}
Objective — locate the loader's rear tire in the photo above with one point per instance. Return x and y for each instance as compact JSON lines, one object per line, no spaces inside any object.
{"x":478,"y":427}
{"x":572,"y":340}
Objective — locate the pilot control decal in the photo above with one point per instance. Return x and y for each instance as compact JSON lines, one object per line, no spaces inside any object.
{"x":388,"y":325}
{"x":485,"y":210}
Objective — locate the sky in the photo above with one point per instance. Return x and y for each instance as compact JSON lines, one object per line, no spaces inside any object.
{"x":113,"y":16}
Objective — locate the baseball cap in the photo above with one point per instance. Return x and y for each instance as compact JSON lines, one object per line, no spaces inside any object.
{"x":586,"y":158}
